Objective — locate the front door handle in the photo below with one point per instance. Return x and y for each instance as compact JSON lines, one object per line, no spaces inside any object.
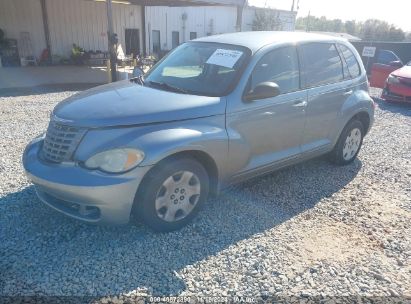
{"x":300,"y":103}
{"x":348,"y":92}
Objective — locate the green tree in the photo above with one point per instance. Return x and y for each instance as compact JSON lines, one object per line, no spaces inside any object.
{"x":337,"y":26}
{"x":266,"y":20}
{"x":396,"y":34}
{"x":351,"y":27}
{"x":372,"y":29}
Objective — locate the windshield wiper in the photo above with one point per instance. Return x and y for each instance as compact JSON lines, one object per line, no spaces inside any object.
{"x":167,"y":87}
{"x":138,"y":79}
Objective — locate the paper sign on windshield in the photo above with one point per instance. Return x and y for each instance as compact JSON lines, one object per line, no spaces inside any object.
{"x":225,"y":58}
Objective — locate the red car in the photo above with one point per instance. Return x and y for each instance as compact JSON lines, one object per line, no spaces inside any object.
{"x":398,"y":85}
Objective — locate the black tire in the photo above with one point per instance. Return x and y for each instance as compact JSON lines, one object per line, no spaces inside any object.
{"x":337,"y":155}
{"x":144,"y":208}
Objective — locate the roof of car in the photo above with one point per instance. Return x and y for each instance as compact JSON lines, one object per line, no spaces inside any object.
{"x":256,"y":40}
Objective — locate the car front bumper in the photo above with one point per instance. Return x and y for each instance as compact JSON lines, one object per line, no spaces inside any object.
{"x":397,"y":92}
{"x":88,"y":195}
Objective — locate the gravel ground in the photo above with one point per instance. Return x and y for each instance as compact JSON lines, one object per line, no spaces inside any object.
{"x":308,"y":230}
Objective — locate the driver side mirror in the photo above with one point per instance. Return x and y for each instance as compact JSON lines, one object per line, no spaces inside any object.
{"x":263,"y":90}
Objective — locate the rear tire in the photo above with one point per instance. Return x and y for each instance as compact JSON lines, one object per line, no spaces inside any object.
{"x":349,"y":143}
{"x":171,"y":194}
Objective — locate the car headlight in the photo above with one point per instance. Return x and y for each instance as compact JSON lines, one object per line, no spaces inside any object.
{"x":393,"y":79}
{"x":116,"y":160}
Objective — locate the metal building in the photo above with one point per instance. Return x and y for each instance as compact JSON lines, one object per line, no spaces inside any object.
{"x":141,"y":25}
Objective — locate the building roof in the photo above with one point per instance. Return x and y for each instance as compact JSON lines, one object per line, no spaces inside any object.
{"x":256,"y":40}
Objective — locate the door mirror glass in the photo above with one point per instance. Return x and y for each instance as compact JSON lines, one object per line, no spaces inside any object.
{"x":263,"y":90}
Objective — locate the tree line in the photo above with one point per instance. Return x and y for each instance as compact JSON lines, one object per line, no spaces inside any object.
{"x":371,"y":29}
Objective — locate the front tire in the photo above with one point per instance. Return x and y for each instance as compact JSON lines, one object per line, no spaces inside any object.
{"x":171,"y":194}
{"x":349,"y":143}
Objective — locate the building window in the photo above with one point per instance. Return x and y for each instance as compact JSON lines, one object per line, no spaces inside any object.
{"x":193,"y":35}
{"x":175,"y":42}
{"x":156,"y":42}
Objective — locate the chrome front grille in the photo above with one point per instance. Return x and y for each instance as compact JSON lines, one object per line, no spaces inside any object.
{"x":60,"y":142}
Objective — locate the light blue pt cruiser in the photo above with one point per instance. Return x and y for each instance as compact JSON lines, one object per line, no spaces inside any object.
{"x":214,"y":112}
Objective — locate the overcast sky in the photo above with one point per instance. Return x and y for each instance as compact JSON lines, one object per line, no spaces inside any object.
{"x":397,"y":12}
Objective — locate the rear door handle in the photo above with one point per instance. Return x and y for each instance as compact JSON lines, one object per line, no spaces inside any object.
{"x":348,"y":92}
{"x":300,"y":103}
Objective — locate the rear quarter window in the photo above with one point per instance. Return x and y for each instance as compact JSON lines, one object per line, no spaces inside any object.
{"x":321,"y":64}
{"x":351,"y":61}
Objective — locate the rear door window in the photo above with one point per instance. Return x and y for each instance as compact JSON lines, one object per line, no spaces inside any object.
{"x":322,"y":64}
{"x":352,"y":63}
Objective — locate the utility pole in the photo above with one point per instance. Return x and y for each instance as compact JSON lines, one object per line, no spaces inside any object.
{"x":111,"y":42}
{"x":292,"y":6}
{"x":46,"y":28}
{"x":143,"y":32}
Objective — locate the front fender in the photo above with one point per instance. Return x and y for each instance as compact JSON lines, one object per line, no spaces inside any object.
{"x":159,"y":141}
{"x":198,"y":136}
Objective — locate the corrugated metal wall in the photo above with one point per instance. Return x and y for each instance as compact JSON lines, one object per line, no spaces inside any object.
{"x":202,"y":20}
{"x":23,"y":16}
{"x":75,"y":21}
{"x":85,"y":24}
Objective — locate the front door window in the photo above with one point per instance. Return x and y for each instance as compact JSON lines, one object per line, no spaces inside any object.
{"x":279,"y":66}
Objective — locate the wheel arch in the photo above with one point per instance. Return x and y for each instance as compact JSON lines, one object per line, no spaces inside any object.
{"x":140,"y":209}
{"x":201,"y":157}
{"x":206,"y":161}
{"x":363,"y":117}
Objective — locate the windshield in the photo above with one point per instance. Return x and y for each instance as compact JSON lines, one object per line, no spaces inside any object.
{"x":200,"y":68}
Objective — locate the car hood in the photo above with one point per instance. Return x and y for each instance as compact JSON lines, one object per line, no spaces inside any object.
{"x":126,"y":103}
{"x":404,"y":72}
